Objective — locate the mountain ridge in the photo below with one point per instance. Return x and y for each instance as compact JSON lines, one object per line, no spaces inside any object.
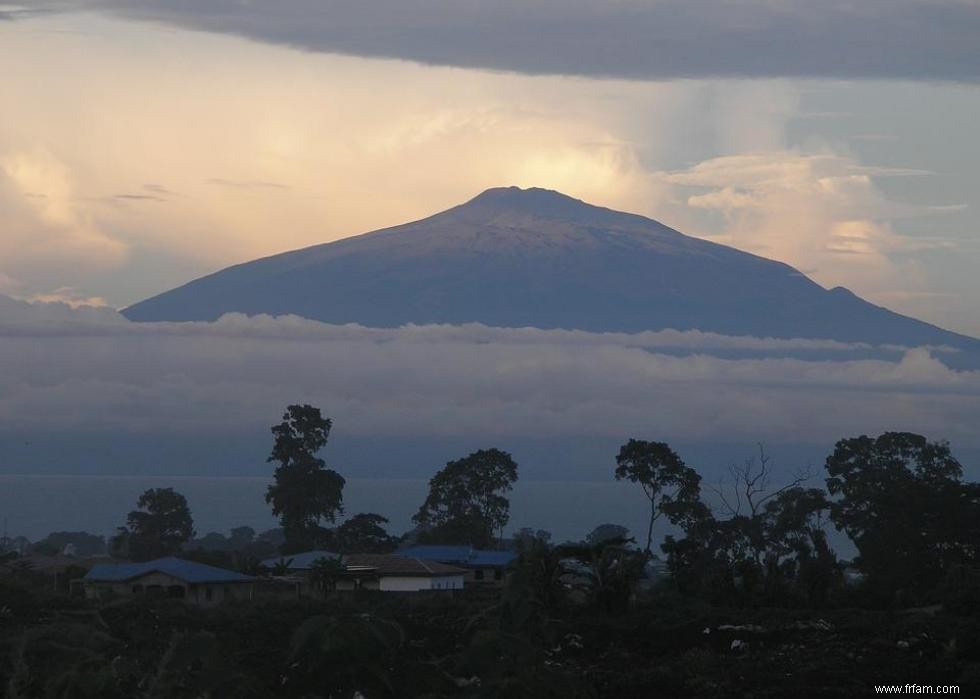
{"x":534,"y":257}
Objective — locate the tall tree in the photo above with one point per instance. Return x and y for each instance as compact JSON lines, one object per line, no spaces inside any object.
{"x":466,"y":502}
{"x":304,"y":491}
{"x":160,"y":526}
{"x":900,"y":499}
{"x":664,"y":478}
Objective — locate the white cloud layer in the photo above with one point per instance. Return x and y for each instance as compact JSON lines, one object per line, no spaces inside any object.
{"x":90,"y":369}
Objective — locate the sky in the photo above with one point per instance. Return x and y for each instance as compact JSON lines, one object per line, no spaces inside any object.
{"x":146,"y":143}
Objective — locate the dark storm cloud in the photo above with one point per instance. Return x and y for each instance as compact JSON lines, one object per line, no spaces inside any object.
{"x":11,"y":14}
{"x":903,"y":39}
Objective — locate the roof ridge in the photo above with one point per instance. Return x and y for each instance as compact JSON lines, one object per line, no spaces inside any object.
{"x":425,"y":565}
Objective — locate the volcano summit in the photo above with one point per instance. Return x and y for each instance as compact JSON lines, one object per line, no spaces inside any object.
{"x":533,"y":257}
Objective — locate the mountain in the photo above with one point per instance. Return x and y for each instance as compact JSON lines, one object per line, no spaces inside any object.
{"x":534,"y":257}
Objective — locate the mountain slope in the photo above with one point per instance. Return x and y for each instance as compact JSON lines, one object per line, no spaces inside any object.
{"x":513,"y":257}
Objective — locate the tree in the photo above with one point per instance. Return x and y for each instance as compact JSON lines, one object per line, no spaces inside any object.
{"x":466,"y":504}
{"x":662,"y":475}
{"x":76,"y":543}
{"x":611,"y":566}
{"x":324,"y":574}
{"x":304,"y":492}
{"x":798,"y":559}
{"x":159,"y":528}
{"x":900,"y":499}
{"x":750,"y":486}
{"x":526,"y":535}
{"x":607,"y":532}
{"x":537,"y":574}
{"x":767,"y":545}
{"x":241,"y":537}
{"x":364,"y":533}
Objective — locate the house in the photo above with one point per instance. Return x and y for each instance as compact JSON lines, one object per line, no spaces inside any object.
{"x":298,"y":562}
{"x":482,"y":567}
{"x":383,"y":572}
{"x":397,"y":573}
{"x":292,"y":574}
{"x":192,"y":582}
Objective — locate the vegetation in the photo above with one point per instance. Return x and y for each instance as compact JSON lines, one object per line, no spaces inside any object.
{"x":466,"y":502}
{"x":76,"y":543}
{"x":756,"y":602}
{"x":161,"y":526}
{"x":667,"y":482}
{"x":903,"y":488}
{"x":304,"y":491}
{"x":364,"y":533}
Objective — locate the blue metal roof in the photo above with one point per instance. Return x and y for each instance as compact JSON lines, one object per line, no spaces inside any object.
{"x":460,"y":555}
{"x":442,"y":554}
{"x":492,"y":559}
{"x":188,"y":571}
{"x":300,"y":561}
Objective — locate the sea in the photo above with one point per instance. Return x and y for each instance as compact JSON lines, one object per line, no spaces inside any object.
{"x":35,"y":505}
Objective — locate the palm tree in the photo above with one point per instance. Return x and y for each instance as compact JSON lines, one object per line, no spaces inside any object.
{"x":324,"y":573}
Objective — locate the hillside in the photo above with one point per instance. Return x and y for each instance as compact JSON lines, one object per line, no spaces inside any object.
{"x":515,"y":258}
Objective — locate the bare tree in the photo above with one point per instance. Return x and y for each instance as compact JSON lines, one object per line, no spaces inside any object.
{"x":749,"y":485}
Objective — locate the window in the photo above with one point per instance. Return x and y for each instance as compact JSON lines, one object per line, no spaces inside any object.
{"x":498,"y":574}
{"x":208,"y":593}
{"x":137,"y":589}
{"x":478,"y":575}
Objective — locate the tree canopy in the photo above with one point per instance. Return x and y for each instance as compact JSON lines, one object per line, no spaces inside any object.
{"x":160,"y":526}
{"x":664,"y":478}
{"x":364,"y":533}
{"x":304,"y":491}
{"x":466,"y":502}
{"x":899,"y":497}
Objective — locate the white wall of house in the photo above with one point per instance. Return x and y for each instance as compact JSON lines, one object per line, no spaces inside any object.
{"x":448,"y":582}
{"x":399,"y":583}
{"x":203,"y":594}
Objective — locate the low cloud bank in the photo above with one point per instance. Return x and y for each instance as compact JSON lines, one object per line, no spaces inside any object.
{"x":90,"y":369}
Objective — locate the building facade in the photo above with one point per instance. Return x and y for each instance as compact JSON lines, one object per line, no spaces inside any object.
{"x":195,"y":583}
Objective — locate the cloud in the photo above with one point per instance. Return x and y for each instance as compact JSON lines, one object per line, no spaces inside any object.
{"x":263,"y":164}
{"x":248,"y":184}
{"x":822,"y":212}
{"x":363,"y":144}
{"x":905,"y":39}
{"x":44,"y":221}
{"x":13,"y":14}
{"x":8,"y":285}
{"x":138,"y":197}
{"x":68,"y":296}
{"x":89,"y":369}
